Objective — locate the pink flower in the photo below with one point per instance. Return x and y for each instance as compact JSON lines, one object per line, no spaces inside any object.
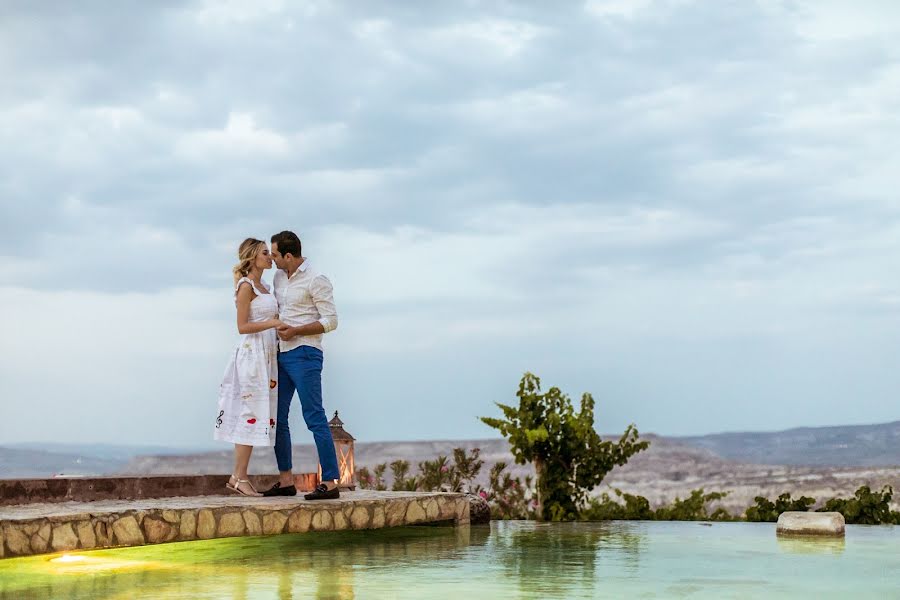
{"x":483,"y":494}
{"x":443,"y":469}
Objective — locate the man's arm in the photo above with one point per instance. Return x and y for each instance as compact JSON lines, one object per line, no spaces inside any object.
{"x":323,"y":298}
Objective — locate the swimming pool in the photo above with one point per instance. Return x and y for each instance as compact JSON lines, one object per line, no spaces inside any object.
{"x":513,"y":559}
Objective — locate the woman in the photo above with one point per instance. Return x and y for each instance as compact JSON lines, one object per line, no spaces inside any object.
{"x":248,"y":396}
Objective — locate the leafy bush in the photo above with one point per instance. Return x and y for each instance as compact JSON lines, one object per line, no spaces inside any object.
{"x":509,"y":497}
{"x":569,"y":456}
{"x":636,"y":508}
{"x":692,"y":508}
{"x":400,"y":470}
{"x":767,"y":511}
{"x":866,"y":507}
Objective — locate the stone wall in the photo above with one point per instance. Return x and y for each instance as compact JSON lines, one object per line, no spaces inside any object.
{"x":88,"y":489}
{"x":184,"y":519}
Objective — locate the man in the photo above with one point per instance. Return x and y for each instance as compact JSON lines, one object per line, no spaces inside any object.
{"x":306,"y":307}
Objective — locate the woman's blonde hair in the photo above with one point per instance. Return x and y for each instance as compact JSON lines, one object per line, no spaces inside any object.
{"x":247,"y":252}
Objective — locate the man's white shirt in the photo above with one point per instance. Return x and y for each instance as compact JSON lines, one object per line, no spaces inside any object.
{"x":303,"y":298}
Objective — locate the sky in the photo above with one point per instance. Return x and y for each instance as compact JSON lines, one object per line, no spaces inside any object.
{"x":687,"y":208}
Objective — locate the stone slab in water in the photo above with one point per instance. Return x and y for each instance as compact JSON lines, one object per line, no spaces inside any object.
{"x":65,"y":526}
{"x":810,"y":523}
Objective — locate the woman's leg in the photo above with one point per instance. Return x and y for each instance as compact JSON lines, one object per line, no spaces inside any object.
{"x":241,"y":463}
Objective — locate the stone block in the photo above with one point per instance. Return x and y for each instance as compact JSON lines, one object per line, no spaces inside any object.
{"x":127,"y":532}
{"x":64,"y":538}
{"x":432,"y":510}
{"x":378,"y":516}
{"x":810,"y":523}
{"x":187,"y":528}
{"x":16,"y":540}
{"x":2,"y":548}
{"x":299,"y":521}
{"x":462,"y":513}
{"x":273,"y":522}
{"x":170,"y":516}
{"x":322,"y":521}
{"x":395,"y":512}
{"x":206,"y":525}
{"x":414,"y":513}
{"x":101,"y":532}
{"x":158,"y":531}
{"x":86,"y":534}
{"x":251,"y":522}
{"x":360,"y":518}
{"x":40,"y":541}
{"x":339,"y":520}
{"x":231,"y":525}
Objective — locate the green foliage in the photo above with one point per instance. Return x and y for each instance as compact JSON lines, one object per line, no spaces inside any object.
{"x":509,"y":497}
{"x":693,"y":508}
{"x":400,"y":470}
{"x":465,"y":469}
{"x":866,"y":507}
{"x":768,"y":511}
{"x":636,"y":508}
{"x":434,"y":474}
{"x":568,"y":455}
{"x":374,"y":480}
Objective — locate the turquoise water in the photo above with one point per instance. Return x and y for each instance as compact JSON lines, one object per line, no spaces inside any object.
{"x":506,"y":560}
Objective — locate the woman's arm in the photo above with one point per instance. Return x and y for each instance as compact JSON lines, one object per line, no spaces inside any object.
{"x":245,"y":295}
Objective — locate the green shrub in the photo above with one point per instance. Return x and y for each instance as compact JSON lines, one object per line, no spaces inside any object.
{"x":569,"y":456}
{"x":866,"y":507}
{"x":767,"y":511}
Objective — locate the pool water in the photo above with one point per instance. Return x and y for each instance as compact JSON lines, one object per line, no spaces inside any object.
{"x":509,"y":560}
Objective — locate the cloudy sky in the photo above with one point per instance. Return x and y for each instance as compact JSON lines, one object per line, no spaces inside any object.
{"x":689,"y":209}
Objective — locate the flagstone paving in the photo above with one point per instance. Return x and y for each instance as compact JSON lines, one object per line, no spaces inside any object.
{"x":28,"y":529}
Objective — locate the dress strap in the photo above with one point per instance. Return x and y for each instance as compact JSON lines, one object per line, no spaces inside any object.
{"x":237,"y":285}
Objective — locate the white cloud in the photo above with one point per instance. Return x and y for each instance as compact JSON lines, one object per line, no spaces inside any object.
{"x":492,"y":37}
{"x":240,"y":138}
{"x":683,"y":205}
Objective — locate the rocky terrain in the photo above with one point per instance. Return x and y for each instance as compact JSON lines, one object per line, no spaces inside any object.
{"x":744,"y":464}
{"x":669,"y":468}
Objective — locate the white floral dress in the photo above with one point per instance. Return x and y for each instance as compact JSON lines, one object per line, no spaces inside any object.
{"x":248,"y":396}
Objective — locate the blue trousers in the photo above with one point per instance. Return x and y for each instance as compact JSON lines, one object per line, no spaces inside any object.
{"x":300,"y":369}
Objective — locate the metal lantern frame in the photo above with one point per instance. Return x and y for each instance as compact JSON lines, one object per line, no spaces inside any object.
{"x":343,"y":448}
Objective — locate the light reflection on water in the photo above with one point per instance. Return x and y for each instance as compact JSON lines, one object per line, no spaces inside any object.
{"x":505,"y":560}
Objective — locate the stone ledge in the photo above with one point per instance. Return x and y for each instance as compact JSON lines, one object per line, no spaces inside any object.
{"x":810,"y":523}
{"x":57,"y":527}
{"x":89,"y":489}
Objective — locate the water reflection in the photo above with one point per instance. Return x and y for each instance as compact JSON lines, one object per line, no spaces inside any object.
{"x":322,"y":566}
{"x":811,"y":545}
{"x":561,"y":559}
{"x":523,"y":560}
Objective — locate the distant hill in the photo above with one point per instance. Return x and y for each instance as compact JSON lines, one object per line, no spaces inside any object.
{"x":668,"y":469}
{"x":21,"y":463}
{"x":846,"y":446}
{"x":842,"y":446}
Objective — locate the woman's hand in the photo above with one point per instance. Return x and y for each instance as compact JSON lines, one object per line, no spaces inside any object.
{"x":285,"y":333}
{"x":275,"y":324}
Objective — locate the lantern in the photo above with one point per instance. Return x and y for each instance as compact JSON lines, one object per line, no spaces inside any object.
{"x":343,"y":447}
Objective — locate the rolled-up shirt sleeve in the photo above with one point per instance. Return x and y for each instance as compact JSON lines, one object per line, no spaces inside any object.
{"x":323,"y":297}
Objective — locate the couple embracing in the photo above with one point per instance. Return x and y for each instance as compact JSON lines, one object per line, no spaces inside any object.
{"x":280,"y":351}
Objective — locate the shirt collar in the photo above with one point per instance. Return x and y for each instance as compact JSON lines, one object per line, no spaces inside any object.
{"x":301,"y":268}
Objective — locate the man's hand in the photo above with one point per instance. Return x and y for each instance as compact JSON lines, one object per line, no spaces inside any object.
{"x":286,"y":333}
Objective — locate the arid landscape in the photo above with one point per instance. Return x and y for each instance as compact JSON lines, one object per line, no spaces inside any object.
{"x":818,"y":462}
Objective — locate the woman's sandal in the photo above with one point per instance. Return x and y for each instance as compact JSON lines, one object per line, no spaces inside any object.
{"x":236,"y":488}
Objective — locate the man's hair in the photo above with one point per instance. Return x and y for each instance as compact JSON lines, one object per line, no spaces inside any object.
{"x":288,"y":243}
